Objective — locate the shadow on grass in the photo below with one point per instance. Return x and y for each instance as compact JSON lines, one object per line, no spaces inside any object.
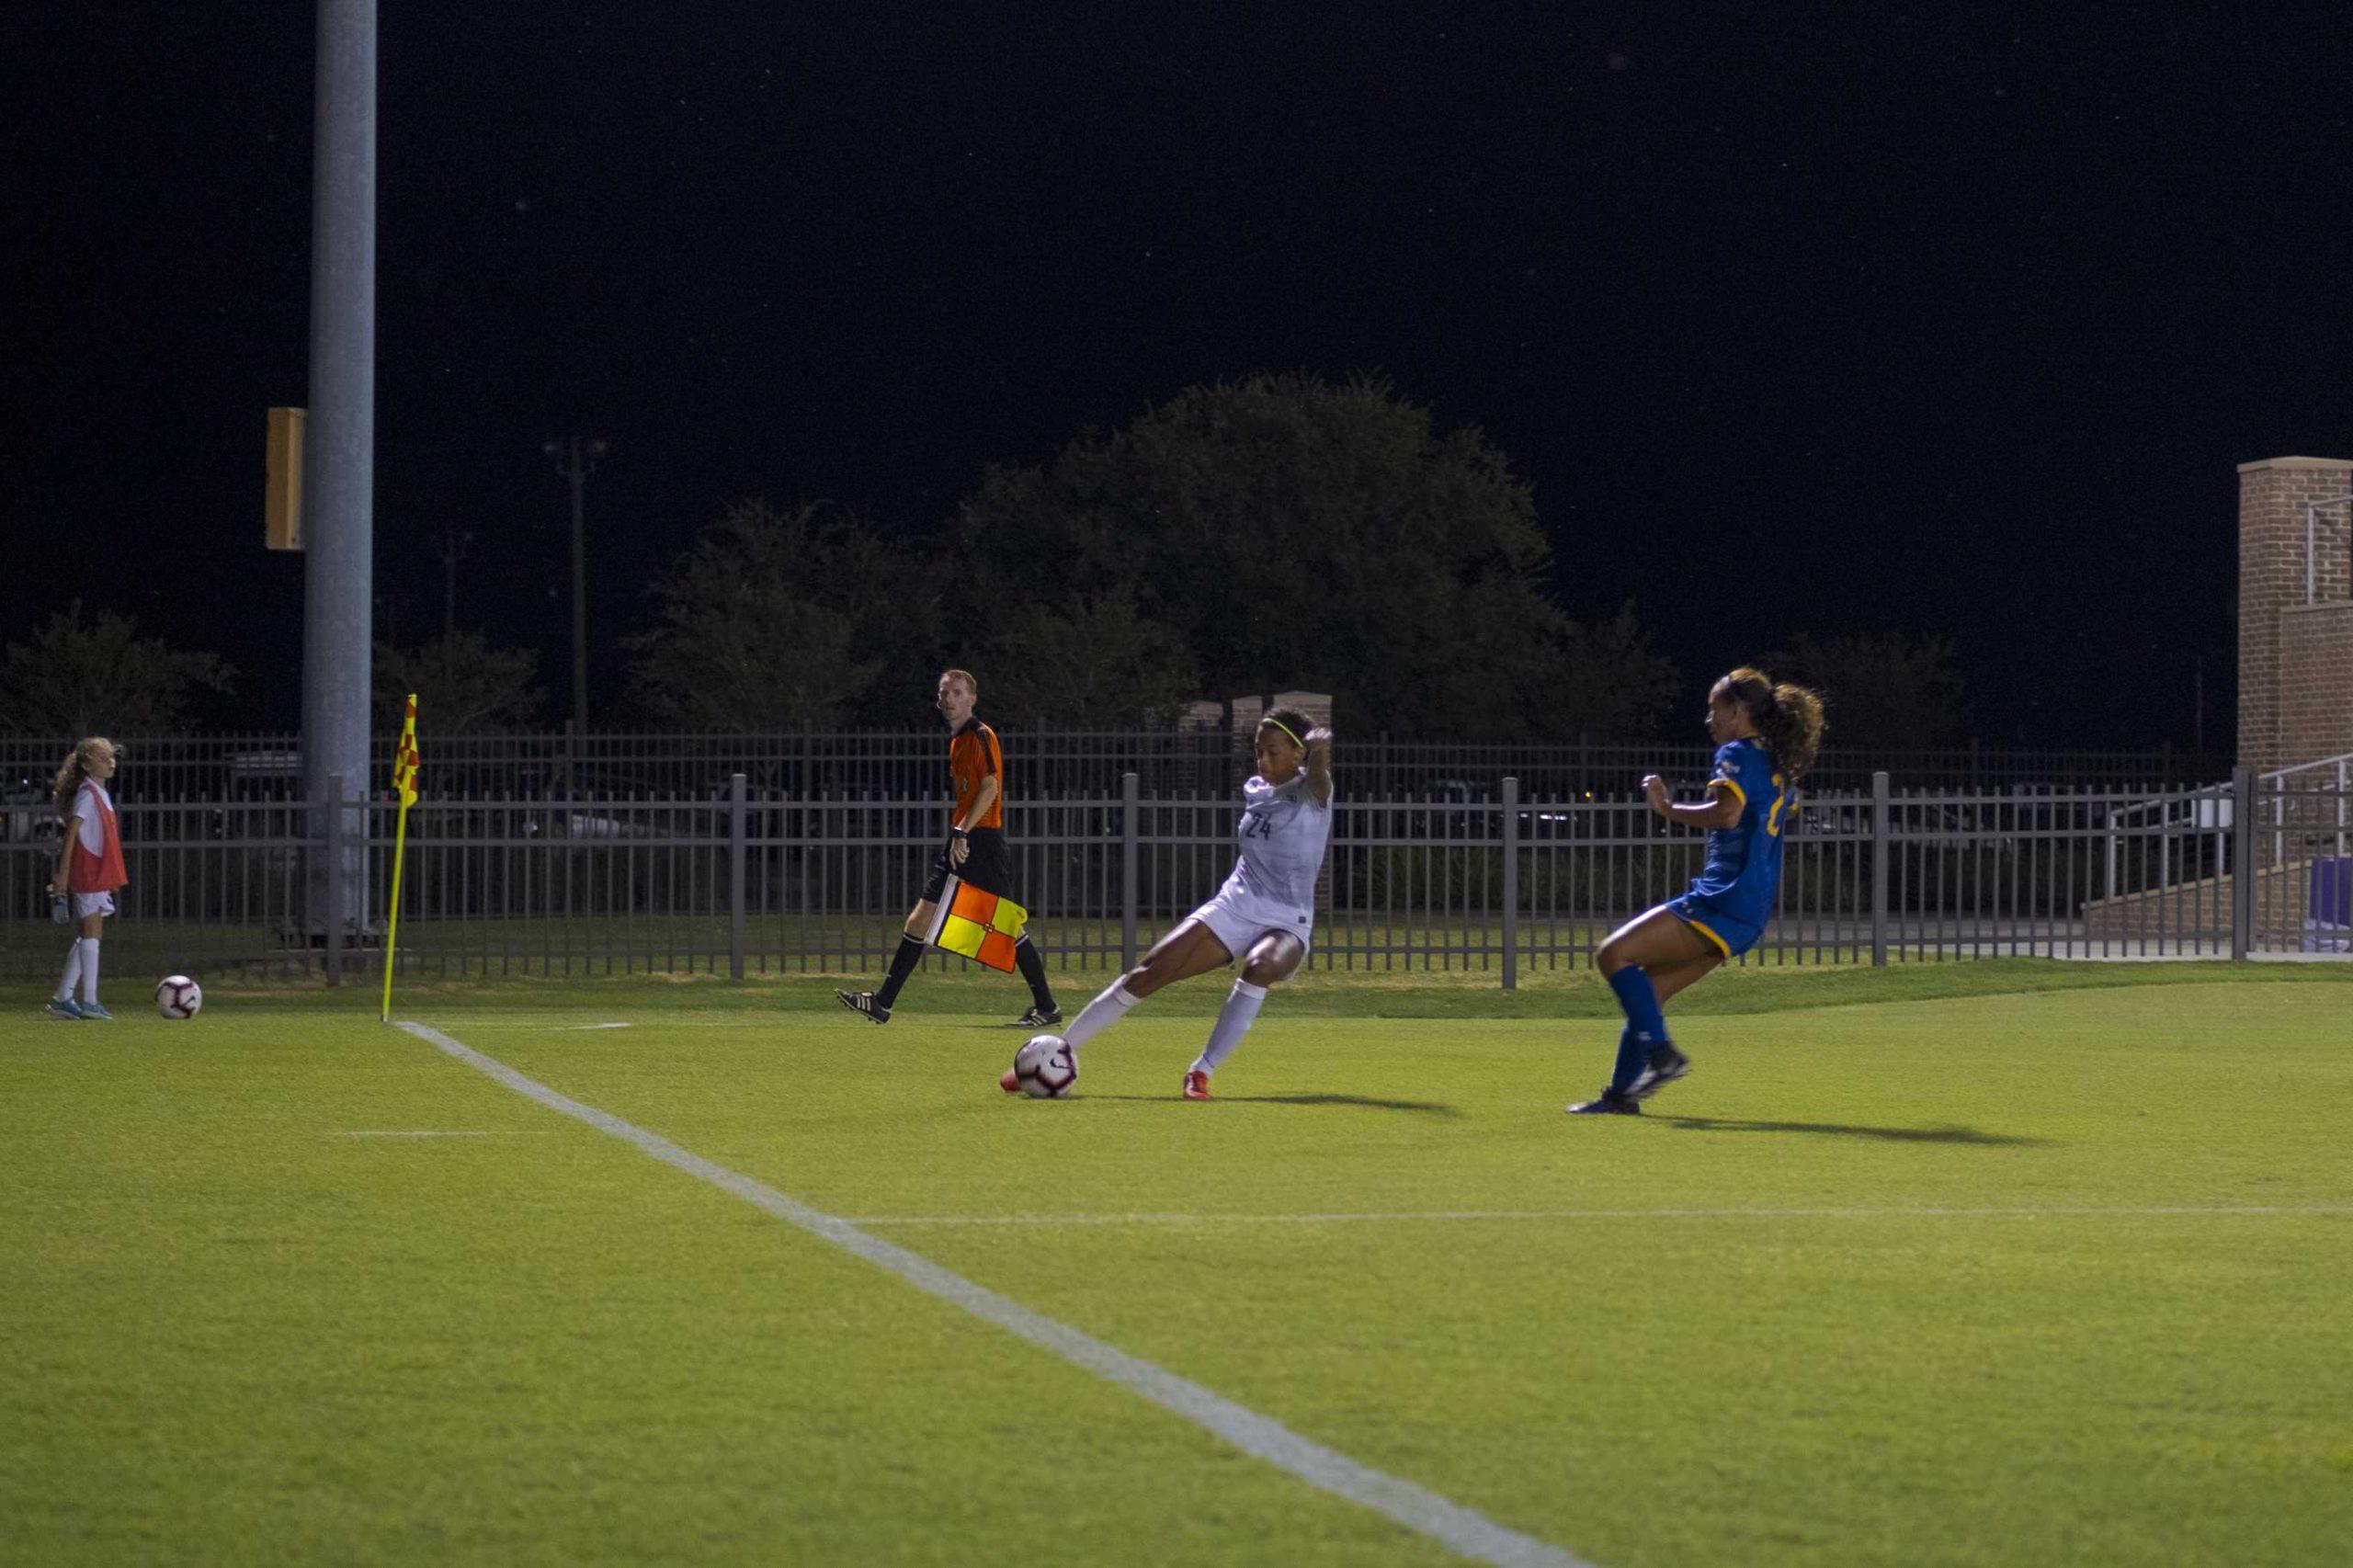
{"x":1841,"y":1130}
{"x":1365,"y":1102}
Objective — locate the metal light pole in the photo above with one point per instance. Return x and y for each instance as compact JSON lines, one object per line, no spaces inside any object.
{"x":338,"y":570}
{"x":575,"y":460}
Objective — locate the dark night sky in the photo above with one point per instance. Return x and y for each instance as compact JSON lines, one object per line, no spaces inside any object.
{"x":1946,"y":320}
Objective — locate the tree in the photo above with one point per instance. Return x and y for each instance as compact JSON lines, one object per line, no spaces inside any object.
{"x":1613,"y":684}
{"x":1092,"y":664}
{"x":1290,"y":533}
{"x":77,"y":678}
{"x":777,"y":621}
{"x":463,"y":686}
{"x":1882,"y":692}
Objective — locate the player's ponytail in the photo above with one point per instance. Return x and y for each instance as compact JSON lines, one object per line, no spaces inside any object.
{"x":1792,"y":728}
{"x":76,"y":768}
{"x":1788,"y":717}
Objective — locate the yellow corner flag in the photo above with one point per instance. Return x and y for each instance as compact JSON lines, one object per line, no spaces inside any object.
{"x":404,"y":762}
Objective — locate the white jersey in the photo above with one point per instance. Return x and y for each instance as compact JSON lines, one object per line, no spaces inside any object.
{"x":87,"y":800}
{"x":1279,"y":840}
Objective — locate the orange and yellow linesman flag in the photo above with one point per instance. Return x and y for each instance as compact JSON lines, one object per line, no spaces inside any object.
{"x":979,"y":926}
{"x":405,"y":786}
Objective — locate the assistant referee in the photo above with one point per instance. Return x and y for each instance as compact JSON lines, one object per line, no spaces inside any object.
{"x":976,"y":852}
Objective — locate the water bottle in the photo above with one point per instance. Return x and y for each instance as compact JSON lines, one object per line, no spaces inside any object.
{"x":57,"y":910}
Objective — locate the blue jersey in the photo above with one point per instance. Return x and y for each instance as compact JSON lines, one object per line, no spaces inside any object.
{"x":1744,"y":867}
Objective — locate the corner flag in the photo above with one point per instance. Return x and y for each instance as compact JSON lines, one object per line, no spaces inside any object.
{"x":405,"y":761}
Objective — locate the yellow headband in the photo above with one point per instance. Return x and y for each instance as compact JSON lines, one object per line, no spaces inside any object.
{"x":1278,"y":724}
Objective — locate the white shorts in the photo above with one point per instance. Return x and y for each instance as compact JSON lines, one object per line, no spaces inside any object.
{"x":88,"y":904}
{"x":1236,"y":920}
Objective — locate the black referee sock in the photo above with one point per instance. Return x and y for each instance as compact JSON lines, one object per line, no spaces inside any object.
{"x":903,"y":964}
{"x":1033,"y":970}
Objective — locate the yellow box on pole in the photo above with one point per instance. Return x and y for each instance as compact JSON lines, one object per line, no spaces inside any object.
{"x":282,"y":496}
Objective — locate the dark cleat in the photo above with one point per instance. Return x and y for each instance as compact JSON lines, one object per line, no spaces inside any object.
{"x":1612,"y":1102}
{"x":863,"y":1004}
{"x":1040,"y":1018}
{"x":1667,"y":1066}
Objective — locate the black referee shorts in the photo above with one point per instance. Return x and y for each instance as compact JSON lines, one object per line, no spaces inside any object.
{"x":989,"y":867}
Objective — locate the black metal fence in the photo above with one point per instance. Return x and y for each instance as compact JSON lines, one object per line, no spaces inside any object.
{"x":742,"y":883}
{"x":1169,"y":763}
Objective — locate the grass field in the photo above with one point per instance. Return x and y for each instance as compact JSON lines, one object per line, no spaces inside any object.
{"x":1994,"y":1263}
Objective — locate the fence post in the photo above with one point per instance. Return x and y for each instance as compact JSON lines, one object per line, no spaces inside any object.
{"x":1511,"y":884}
{"x":1879,"y":870}
{"x":1128,"y":799}
{"x":335,"y":881}
{"x":2242,"y":799}
{"x":735,"y":877}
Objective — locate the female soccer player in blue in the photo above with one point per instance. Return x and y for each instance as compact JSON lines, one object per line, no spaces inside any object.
{"x":1766,"y":736}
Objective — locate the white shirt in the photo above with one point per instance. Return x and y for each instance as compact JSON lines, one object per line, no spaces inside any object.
{"x":87,"y":802}
{"x":1281,"y":840}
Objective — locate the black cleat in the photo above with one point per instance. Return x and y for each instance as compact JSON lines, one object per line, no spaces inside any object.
{"x":864,"y":1003}
{"x":1612,"y":1102}
{"x":1667,"y":1066}
{"x":1040,"y":1018}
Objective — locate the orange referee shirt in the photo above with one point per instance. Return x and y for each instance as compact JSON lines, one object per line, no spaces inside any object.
{"x":972,"y":755}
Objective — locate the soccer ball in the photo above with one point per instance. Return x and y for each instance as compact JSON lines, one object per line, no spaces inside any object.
{"x":1045,"y":1067}
{"x":177,"y":996}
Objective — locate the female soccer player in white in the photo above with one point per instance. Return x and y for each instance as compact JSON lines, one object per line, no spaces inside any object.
{"x":1264,"y":915}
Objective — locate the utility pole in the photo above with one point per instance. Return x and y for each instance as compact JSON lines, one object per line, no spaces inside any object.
{"x":575,"y":460}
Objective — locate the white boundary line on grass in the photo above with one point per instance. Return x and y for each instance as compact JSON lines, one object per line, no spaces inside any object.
{"x":1417,"y":1508}
{"x":1528,"y":1214}
{"x":429,"y":1133}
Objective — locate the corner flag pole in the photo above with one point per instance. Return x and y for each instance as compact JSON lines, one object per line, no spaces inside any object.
{"x":404,"y":781}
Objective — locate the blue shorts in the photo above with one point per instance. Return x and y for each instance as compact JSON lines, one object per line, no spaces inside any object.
{"x":1733,"y":933}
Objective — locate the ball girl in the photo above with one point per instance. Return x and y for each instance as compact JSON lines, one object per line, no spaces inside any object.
{"x":1264,"y":914}
{"x":89,"y":869}
{"x":1767,"y":736}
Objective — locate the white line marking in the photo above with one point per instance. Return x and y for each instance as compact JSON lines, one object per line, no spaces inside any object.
{"x":539,"y":1024}
{"x":1417,"y":1508}
{"x":429,"y":1132}
{"x":1536,"y":1214}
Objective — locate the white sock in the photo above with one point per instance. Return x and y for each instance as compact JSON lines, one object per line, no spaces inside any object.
{"x":1233,"y":1021}
{"x":89,"y":968}
{"x":73,"y":971}
{"x":1100,"y":1014}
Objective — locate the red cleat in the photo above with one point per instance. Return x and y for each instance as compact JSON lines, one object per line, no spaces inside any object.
{"x":1197,"y":1085}
{"x":1010,"y":1082}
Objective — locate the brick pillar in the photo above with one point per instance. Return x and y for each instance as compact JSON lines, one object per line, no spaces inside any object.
{"x":2273,"y":495}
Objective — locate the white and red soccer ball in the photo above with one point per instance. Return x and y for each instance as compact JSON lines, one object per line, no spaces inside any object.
{"x":1045,"y":1067}
{"x":177,"y":996}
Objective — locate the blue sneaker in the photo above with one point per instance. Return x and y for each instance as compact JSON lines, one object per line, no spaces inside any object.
{"x":65,"y":1009}
{"x":92,"y":1010}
